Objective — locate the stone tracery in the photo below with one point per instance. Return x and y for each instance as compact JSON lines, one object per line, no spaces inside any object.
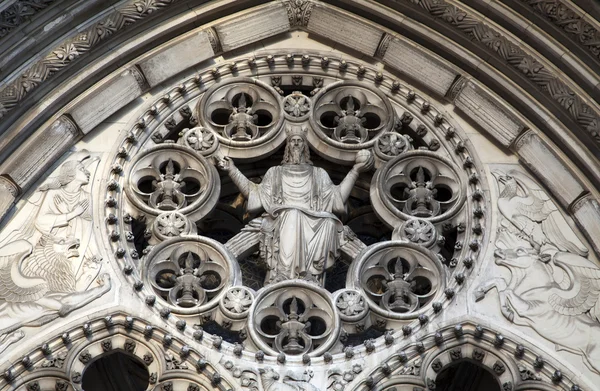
{"x":425,"y":198}
{"x":390,"y":137}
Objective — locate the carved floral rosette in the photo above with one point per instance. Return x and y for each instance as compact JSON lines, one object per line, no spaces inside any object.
{"x":190,"y":274}
{"x":399,"y":280}
{"x":294,"y":317}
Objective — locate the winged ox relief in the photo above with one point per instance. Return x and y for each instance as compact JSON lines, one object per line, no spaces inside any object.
{"x":48,"y":264}
{"x":554,"y":288}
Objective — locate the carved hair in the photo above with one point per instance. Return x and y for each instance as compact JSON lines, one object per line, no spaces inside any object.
{"x":66,"y":175}
{"x":287,"y":155}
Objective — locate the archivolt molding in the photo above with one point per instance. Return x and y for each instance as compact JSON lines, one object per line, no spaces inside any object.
{"x":580,"y":112}
{"x":172,"y":362}
{"x":517,"y":365}
{"x":60,"y":362}
{"x":526,"y":62}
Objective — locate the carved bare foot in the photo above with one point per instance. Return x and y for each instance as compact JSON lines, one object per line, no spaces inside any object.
{"x":104,"y":280}
{"x":9,"y":339}
{"x":13,"y":337}
{"x":508,"y":313}
{"x":479,"y":294}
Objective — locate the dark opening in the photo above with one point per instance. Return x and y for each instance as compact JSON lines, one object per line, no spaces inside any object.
{"x":117,"y":371}
{"x":466,"y":376}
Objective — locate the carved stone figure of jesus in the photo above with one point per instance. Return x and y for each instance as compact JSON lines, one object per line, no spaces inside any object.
{"x":300,"y":228}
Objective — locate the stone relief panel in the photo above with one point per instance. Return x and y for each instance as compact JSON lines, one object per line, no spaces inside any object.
{"x":255,"y":243}
{"x":49,"y":262}
{"x":554,"y":283}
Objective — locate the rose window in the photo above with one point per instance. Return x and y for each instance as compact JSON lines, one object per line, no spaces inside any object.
{"x":297,"y":216}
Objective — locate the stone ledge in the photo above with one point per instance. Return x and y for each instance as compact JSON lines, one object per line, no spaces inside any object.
{"x":549,"y":168}
{"x":176,"y":56}
{"x":249,"y":27}
{"x":107,"y":97}
{"x":587,"y":215}
{"x":9,"y":191}
{"x":341,"y":27}
{"x":419,"y":65}
{"x":489,"y":112}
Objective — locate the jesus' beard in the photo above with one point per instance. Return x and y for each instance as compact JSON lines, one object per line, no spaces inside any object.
{"x":297,"y":156}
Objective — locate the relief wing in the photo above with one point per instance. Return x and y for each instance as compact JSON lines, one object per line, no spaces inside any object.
{"x":14,"y":286}
{"x":559,"y":233}
{"x":584,"y":290}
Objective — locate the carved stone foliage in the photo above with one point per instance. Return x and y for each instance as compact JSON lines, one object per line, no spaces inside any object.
{"x":398,"y":279}
{"x":533,"y":68}
{"x":563,"y":16}
{"x":548,"y":265}
{"x":73,"y":48}
{"x":294,"y":318}
{"x":190,"y":274}
{"x":19,"y":13}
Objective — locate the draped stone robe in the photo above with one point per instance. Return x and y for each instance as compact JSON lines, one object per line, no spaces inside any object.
{"x":299,"y":233}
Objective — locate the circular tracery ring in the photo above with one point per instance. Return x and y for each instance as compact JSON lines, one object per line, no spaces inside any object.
{"x":348,"y":116}
{"x":417,"y":184}
{"x":171,"y":177}
{"x":246,"y":115}
{"x":294,"y":317}
{"x":399,"y":279}
{"x":190,"y":274}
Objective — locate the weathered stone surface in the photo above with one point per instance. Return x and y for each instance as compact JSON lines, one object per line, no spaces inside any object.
{"x":587,"y":214}
{"x":41,"y":151}
{"x":253,"y":26}
{"x":107,"y":97}
{"x":421,"y":66}
{"x":547,"y":166}
{"x":489,"y":112}
{"x":177,"y":56}
{"x":8,"y":194}
{"x":349,"y":31}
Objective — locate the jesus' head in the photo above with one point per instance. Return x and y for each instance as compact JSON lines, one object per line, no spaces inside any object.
{"x":296,"y":150}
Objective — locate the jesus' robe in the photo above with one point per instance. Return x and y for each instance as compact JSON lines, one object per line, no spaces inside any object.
{"x":300,"y":235}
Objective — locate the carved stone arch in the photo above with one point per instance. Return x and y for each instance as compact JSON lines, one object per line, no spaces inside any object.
{"x":515,"y":363}
{"x":166,"y":356}
{"x":477,"y":92}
